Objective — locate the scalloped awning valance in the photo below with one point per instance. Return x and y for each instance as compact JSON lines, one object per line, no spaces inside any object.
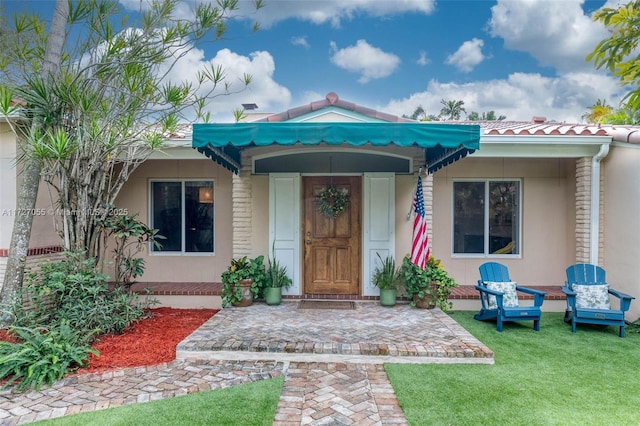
{"x":443,"y":143}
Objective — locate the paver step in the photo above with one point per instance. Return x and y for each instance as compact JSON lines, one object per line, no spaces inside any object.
{"x":370,"y":333}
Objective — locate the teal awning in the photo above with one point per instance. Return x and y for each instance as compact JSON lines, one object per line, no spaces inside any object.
{"x":444,"y":143}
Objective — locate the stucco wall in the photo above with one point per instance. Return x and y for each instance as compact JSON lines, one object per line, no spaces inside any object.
{"x":621,"y":222}
{"x":46,"y":221}
{"x":548,"y":218}
{"x":183,"y":267}
{"x":7,"y":189}
{"x":43,"y":230}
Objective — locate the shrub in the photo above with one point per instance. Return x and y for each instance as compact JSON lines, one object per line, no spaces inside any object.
{"x":61,"y":308}
{"x":42,"y":356}
{"x":129,"y":236}
{"x":73,"y":290}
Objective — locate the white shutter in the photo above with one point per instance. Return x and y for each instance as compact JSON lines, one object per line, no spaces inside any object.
{"x":284,"y":224}
{"x":379,"y":207}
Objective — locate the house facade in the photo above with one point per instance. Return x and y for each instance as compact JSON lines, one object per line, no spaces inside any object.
{"x":536,"y":196}
{"x":257,"y":195}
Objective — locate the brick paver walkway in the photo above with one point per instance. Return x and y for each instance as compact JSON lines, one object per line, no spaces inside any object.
{"x":89,"y":392}
{"x":338,"y":394}
{"x":331,"y":360}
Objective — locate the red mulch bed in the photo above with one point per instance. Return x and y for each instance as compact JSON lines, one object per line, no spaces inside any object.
{"x":7,"y":337}
{"x":151,"y":341}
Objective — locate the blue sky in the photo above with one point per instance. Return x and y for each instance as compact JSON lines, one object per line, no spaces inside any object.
{"x":519,"y":58}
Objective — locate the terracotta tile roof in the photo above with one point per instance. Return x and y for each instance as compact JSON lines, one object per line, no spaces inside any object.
{"x":331,"y":99}
{"x":531,"y":128}
{"x":620,"y":133}
{"x":537,"y":126}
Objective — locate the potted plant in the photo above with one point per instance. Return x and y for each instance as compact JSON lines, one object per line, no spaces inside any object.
{"x":387,"y":278}
{"x":429,"y":287}
{"x":242,"y":281}
{"x":275,"y":280}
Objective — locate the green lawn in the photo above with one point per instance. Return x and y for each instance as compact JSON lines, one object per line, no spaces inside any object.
{"x":247,"y":405}
{"x":551,"y":377}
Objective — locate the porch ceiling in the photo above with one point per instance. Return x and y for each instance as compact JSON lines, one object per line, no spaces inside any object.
{"x":443,"y":143}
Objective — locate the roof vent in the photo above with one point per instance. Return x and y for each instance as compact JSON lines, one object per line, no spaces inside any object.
{"x":249,"y":107}
{"x":538,"y":120}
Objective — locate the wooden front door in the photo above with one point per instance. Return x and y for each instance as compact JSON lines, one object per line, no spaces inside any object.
{"x":332,"y":245}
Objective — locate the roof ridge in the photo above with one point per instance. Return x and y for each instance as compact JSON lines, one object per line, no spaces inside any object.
{"x":332,"y":99}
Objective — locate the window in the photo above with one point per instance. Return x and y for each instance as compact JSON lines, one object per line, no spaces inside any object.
{"x":182,"y":211}
{"x":486,"y":217}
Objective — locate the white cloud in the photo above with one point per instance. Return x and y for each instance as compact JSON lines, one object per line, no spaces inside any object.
{"x":263,"y":90}
{"x":369,"y":61}
{"x":309,"y":96}
{"x":520,"y":97}
{"x":335,"y":11}
{"x":315,"y":11}
{"x":300,"y":41}
{"x":468,"y":55}
{"x":182,"y":10}
{"x":422,"y":58}
{"x":555,"y":33}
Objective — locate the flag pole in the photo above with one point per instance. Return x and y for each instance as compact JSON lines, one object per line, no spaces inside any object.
{"x":411,"y":208}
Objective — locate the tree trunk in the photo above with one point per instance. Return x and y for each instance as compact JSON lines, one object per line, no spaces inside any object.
{"x":28,"y":194}
{"x":20,"y":237}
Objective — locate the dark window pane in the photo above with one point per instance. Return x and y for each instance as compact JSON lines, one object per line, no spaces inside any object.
{"x":503,"y":217}
{"x":166,"y":208}
{"x":198,"y":226}
{"x":468,"y":217}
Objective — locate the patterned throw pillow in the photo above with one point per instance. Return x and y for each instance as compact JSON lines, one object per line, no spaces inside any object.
{"x":592,"y":296}
{"x":510,"y":298}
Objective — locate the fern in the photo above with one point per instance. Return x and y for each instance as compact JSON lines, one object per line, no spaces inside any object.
{"x":43,"y":356}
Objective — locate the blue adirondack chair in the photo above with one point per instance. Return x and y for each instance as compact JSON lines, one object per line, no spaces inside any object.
{"x":493,"y":301}
{"x":588,"y":298}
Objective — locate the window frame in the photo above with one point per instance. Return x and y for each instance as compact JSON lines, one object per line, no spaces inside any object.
{"x":183,"y":183}
{"x":486,"y":254}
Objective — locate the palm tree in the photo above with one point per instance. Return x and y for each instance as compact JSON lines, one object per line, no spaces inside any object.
{"x":491,"y":116}
{"x":598,"y":112}
{"x":452,"y":109}
{"x":418,"y":113}
{"x":486,"y":116}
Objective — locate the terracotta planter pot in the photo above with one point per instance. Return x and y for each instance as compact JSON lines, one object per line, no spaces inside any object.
{"x":247,"y":295}
{"x":429,"y":300}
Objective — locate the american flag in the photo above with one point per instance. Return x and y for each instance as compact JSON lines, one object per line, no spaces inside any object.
{"x":420,"y":247}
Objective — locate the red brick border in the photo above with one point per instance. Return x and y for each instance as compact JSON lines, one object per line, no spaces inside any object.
{"x":178,"y":288}
{"x":35,"y":251}
{"x":464,"y":292}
